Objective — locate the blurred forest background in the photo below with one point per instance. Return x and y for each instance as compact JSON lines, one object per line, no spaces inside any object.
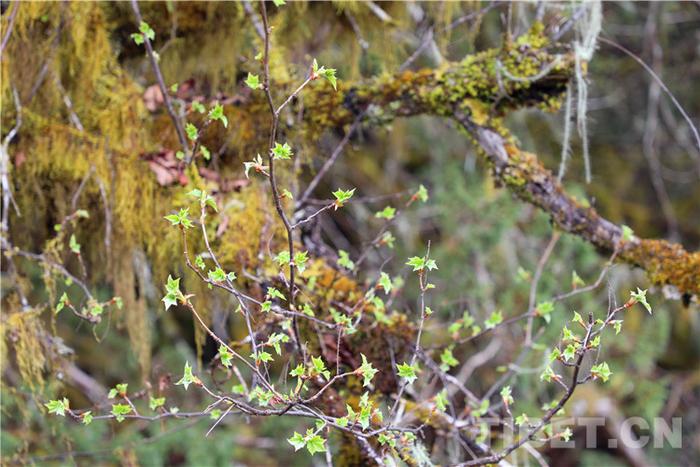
{"x":94,"y":135}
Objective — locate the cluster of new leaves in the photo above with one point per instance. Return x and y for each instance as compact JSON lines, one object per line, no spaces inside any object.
{"x":312,"y":441}
{"x":173,"y":295}
{"x":145,"y":32}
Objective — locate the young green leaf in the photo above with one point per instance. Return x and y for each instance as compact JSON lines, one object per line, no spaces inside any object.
{"x":420,"y":264}
{"x":198,"y":107}
{"x":217,"y":113}
{"x":74,"y":245}
{"x":568,"y":336}
{"x":627,"y":234}
{"x":297,"y":440}
{"x":253,"y":81}
{"x":481,"y":409}
{"x":342,"y":421}
{"x":602,"y":371}
{"x":225,"y":355}
{"x":617,"y":325}
{"x":408,"y":371}
{"x":640,"y":296}
{"x":119,"y":410}
{"x":155,"y":402}
{"x":569,"y":352}
{"x":187,"y":378}
{"x":544,"y":308}
{"x":385,"y":282}
{"x":566,"y":434}
{"x":173,"y":293}
{"x":366,"y":370}
{"x":96,"y":309}
{"x":298,"y":371}
{"x":300,"y":259}
{"x":181,"y":218}
{"x":342,"y":197}
{"x":554,"y":354}
{"x":274,"y":293}
{"x":137,"y":38}
{"x":345,"y":261}
{"x":275,"y":340}
{"x":447,"y":359}
{"x":205,"y":152}
{"x":62,"y":302}
{"x":262,"y":356}
{"x":315,"y":444}
{"x":282,"y":151}
{"x":387,"y":239}
{"x":507,"y":396}
{"x":494,"y":320}
{"x":387,"y":213}
{"x":58,"y":407}
{"x":146,"y":30}
{"x":282,"y":257}
{"x":522,"y":419}
{"x":191,"y":131}
{"x":441,"y":400}
{"x":548,"y":374}
{"x":217,"y":275}
{"x":322,"y":72}
{"x":319,"y":367}
{"x":421,"y":194}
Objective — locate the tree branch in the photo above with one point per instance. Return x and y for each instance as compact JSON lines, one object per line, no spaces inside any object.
{"x":522,"y":173}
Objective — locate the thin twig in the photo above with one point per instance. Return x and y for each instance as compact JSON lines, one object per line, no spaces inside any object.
{"x":535,"y":281}
{"x":8,"y":31}
{"x":161,"y":83}
{"x":330,"y":161}
{"x":660,"y":82}
{"x":271,"y":161}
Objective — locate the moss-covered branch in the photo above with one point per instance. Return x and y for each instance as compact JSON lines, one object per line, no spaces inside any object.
{"x":529,"y":180}
{"x":475,"y":92}
{"x":524,"y":73}
{"x":482,"y":87}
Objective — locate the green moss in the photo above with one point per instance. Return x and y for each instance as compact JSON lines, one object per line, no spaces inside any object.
{"x":666,"y":263}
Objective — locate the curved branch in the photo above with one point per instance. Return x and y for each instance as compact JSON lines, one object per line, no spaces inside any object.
{"x":481,"y":87}
{"x":520,"y":171}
